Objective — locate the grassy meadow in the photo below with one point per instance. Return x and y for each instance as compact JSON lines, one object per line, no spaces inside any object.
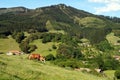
{"x":44,"y":49}
{"x":20,"y":68}
{"x":112,"y":39}
{"x":17,"y":67}
{"x":8,"y":44}
{"x":110,"y":73}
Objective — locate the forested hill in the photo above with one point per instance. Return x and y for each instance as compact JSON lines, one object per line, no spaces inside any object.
{"x":56,"y":17}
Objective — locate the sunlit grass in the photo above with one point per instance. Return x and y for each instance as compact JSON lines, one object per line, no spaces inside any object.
{"x":112,"y":39}
{"x":45,"y":48}
{"x":57,"y":31}
{"x":109,"y":73}
{"x":8,"y":44}
{"x":20,"y":68}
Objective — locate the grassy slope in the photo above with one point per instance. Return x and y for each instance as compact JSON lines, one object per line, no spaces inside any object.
{"x":112,"y":39}
{"x":110,"y":73}
{"x":11,"y":67}
{"x":92,"y":22}
{"x":8,"y":44}
{"x":20,"y":68}
{"x":44,"y":49}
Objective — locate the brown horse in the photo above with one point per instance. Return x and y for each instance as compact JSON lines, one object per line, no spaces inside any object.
{"x":34,"y":56}
{"x":37,"y":56}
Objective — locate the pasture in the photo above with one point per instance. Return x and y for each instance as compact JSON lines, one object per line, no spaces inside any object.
{"x":8,"y":44}
{"x":110,"y":73}
{"x":20,"y":68}
{"x":17,"y":67}
{"x":44,"y":49}
{"x":112,"y":39}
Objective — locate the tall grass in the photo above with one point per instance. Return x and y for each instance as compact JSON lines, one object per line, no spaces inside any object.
{"x":45,"y":48}
{"x":110,"y":73}
{"x":8,"y":44}
{"x":20,"y":68}
{"x":112,"y":39}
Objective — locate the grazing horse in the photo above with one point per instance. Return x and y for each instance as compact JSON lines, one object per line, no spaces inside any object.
{"x":36,"y":56}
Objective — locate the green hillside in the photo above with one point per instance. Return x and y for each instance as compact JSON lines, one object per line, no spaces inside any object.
{"x":92,"y":22}
{"x":68,"y":38}
{"x":8,"y":44}
{"x":44,"y":49}
{"x":20,"y":68}
{"x":54,"y":18}
{"x":112,"y":38}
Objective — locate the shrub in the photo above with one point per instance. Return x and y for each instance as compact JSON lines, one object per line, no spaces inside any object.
{"x":24,"y":46}
{"x":18,"y":36}
{"x":72,"y":63}
{"x":68,"y":52}
{"x":2,"y":36}
{"x":106,"y":62}
{"x":118,"y":41}
{"x":50,"y":57}
{"x":49,"y":49}
{"x":32,"y":48}
{"x":104,"y":46}
{"x":54,"y":47}
{"x":1,"y":52}
{"x":117,"y":74}
{"x":94,"y":72}
{"x":68,"y":63}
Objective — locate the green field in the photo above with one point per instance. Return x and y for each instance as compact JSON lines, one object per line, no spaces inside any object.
{"x":44,"y":49}
{"x":8,"y":44}
{"x":110,"y":73}
{"x":20,"y":68}
{"x":112,"y":39}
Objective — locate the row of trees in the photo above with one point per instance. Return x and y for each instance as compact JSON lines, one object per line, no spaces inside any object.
{"x":95,"y":35}
{"x":104,"y":46}
{"x":69,"y":52}
{"x":25,"y":44}
{"x":68,"y":49}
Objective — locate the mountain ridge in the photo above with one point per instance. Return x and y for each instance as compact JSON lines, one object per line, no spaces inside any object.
{"x":55,"y":17}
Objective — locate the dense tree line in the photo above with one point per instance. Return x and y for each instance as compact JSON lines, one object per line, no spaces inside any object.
{"x":61,"y":18}
{"x":46,"y":37}
{"x":18,"y":22}
{"x":116,"y":32}
{"x":67,"y":52}
{"x":113,"y":19}
{"x":95,"y":35}
{"x":18,"y":36}
{"x":104,"y":46}
{"x":106,"y":62}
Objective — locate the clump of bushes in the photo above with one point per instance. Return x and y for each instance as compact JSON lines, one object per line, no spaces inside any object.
{"x":1,"y":52}
{"x":104,"y":46}
{"x":73,"y":63}
{"x":117,"y":74}
{"x":50,"y":57}
{"x":54,"y":47}
{"x":18,"y":36}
